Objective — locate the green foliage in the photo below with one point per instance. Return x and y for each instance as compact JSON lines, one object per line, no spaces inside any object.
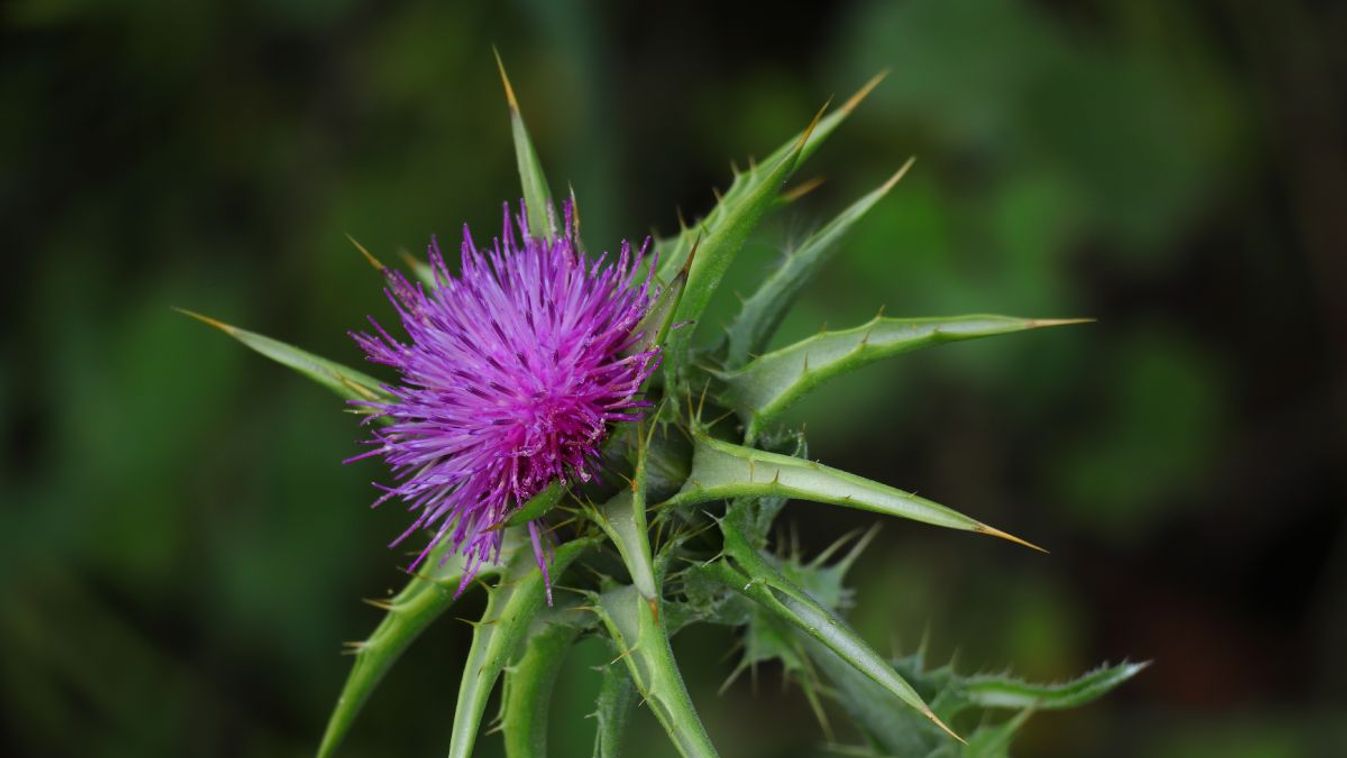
{"x":763,"y":310}
{"x":722,"y":470}
{"x":769,"y":384}
{"x":538,"y":505}
{"x":710,"y":257}
{"x":511,"y":608}
{"x":637,"y":629}
{"x":346,"y":382}
{"x":761,"y":582}
{"x":616,"y":700}
{"x":530,"y":680}
{"x":537,"y":196}
{"x":953,"y":697}
{"x":679,"y":535}
{"x":675,"y":251}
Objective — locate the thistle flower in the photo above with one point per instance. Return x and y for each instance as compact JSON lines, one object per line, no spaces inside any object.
{"x":516,"y":370}
{"x":513,"y":372}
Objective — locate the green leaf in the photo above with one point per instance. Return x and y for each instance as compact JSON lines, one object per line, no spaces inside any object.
{"x":538,"y":505}
{"x":511,"y":607}
{"x":639,"y":634}
{"x":424,"y":599}
{"x":763,"y":583}
{"x":721,"y":470}
{"x":346,"y":382}
{"x":674,"y":251}
{"x":530,"y":680}
{"x":655,"y":325}
{"x":765,"y":509}
{"x":769,"y":384}
{"x":722,"y":243}
{"x":763,"y":310}
{"x":616,"y":701}
{"x":537,"y":197}
{"x":951,"y":694}
{"x":987,"y":691}
{"x":893,"y":728}
{"x":994,"y":741}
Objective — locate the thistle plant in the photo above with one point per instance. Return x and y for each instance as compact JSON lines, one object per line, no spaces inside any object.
{"x":560,"y":438}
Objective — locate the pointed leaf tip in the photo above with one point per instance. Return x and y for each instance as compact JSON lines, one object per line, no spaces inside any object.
{"x":1045,"y":322}
{"x":347,"y":382}
{"x":761,"y":388}
{"x":505,"y":80}
{"x":863,"y":92}
{"x":809,"y":130}
{"x":207,"y":320}
{"x":898,"y":175}
{"x":1008,"y":537}
{"x":537,"y":195}
{"x":692,"y":255}
{"x":943,"y":727}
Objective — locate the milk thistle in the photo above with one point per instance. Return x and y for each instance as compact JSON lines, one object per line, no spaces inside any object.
{"x":554,"y":424}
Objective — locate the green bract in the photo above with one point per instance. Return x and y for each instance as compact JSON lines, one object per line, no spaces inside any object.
{"x":679,"y":535}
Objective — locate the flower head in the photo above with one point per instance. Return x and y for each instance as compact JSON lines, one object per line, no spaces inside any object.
{"x":512,"y":373}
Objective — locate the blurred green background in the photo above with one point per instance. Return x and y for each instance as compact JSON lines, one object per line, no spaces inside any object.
{"x":182,"y":552}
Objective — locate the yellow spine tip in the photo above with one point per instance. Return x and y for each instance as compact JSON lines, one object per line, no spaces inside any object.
{"x":375,"y":262}
{"x":505,"y":80}
{"x":899,"y":174}
{"x":1008,"y":537}
{"x":1042,"y":322}
{"x":207,"y":320}
{"x":936,"y":720}
{"x":863,"y":92}
{"x":809,"y":130}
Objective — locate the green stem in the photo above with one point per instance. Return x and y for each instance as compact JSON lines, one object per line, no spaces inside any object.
{"x":511,"y":607}
{"x":617,"y":698}
{"x":529,"y":683}
{"x":623,"y":520}
{"x":639,"y":633}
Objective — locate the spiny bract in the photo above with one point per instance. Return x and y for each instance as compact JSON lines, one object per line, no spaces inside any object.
{"x":676,"y":531}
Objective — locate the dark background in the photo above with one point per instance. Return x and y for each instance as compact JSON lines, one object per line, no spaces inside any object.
{"x":182,"y":553}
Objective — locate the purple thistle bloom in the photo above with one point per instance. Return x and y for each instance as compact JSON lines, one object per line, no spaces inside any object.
{"x":514,"y":370}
